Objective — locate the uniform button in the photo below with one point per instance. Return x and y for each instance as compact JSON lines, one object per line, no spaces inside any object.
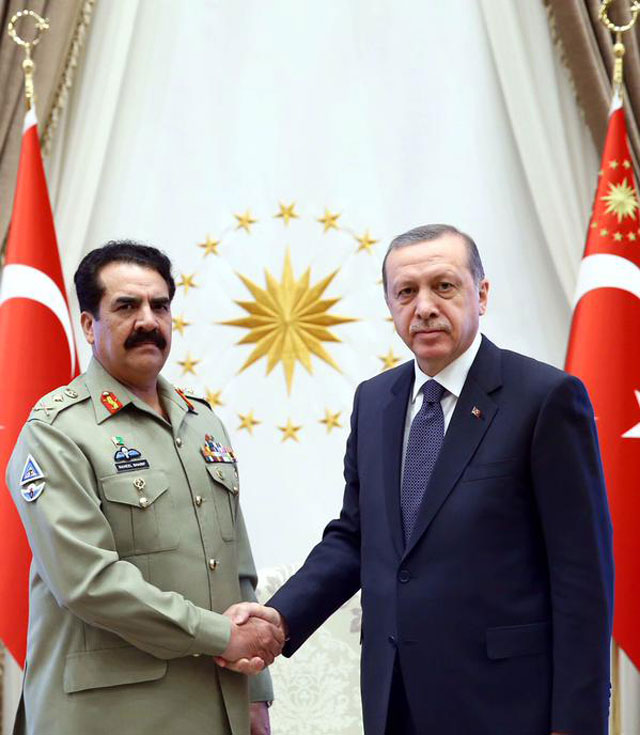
{"x":392,"y":640}
{"x":213,"y":564}
{"x":178,"y":442}
{"x":404,"y":576}
{"x":198,"y":500}
{"x":235,"y":488}
{"x":143,"y":502}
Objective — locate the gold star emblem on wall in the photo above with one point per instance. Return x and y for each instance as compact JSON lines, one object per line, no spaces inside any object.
{"x":389,"y":360}
{"x":331,"y":420}
{"x":287,"y":212}
{"x":245,"y":221}
{"x":180,"y":324}
{"x":188,"y":365}
{"x":186,"y":281}
{"x":209,"y":246}
{"x":247,"y":421}
{"x":213,"y":398}
{"x":366,"y":242}
{"x":290,"y":431}
{"x":288,"y":321}
{"x":329,"y":220}
{"x":621,"y":200}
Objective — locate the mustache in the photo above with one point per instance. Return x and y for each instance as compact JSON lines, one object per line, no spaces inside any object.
{"x":142,"y":337}
{"x":439,"y":324}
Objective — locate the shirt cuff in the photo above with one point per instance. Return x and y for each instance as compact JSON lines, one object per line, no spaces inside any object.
{"x":213,"y":634}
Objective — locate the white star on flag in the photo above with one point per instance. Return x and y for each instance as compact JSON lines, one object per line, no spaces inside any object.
{"x":634,"y":431}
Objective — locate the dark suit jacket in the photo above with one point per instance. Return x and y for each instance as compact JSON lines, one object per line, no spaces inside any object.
{"x":499,"y":608}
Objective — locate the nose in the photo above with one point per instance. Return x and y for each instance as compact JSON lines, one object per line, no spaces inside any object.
{"x":146,"y":318}
{"x":426,"y":307}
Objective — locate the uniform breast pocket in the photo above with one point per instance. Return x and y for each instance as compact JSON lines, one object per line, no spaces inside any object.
{"x":141,"y":511}
{"x":225,"y":496}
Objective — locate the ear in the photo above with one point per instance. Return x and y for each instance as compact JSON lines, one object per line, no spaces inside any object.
{"x":483,"y":296}
{"x":86,"y":322}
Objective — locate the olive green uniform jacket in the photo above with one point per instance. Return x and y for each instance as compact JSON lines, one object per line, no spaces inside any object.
{"x":138,"y":546}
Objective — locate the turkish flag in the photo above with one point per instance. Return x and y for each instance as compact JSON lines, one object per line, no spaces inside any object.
{"x":37,"y":355}
{"x":604,"y":351}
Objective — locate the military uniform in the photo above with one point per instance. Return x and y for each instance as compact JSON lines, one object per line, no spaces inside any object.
{"x":138,"y":545}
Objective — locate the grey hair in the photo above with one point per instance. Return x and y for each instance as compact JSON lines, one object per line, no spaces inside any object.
{"x":424,"y":233}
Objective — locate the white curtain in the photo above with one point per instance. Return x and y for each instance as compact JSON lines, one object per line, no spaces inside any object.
{"x":391,"y":114}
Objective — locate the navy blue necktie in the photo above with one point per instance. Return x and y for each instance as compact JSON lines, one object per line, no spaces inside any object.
{"x":425,"y":439}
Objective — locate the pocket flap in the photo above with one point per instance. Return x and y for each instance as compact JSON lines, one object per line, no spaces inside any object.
{"x":518,"y":640}
{"x":224,"y":474}
{"x":124,"y":488}
{"x":491,"y":469}
{"x":110,"y":667}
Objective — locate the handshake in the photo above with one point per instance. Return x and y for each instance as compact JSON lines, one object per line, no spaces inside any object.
{"x":258,"y":634}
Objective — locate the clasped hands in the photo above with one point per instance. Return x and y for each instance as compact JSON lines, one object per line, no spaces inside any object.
{"x":257,"y":637}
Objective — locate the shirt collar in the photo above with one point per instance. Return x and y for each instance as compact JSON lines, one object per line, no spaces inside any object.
{"x":101,"y":383}
{"x":453,"y":376}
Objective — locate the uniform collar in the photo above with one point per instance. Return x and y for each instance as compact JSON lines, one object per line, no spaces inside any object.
{"x":452,"y":377}
{"x":104,"y":388}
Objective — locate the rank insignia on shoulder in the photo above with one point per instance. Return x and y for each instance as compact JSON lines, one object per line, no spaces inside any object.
{"x":110,"y":401}
{"x":126,"y":458}
{"x":32,"y":491}
{"x":183,"y":395}
{"x":214,"y":451}
{"x":31,"y":471}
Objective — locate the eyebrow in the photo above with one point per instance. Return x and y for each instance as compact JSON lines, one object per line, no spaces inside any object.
{"x":125,"y":300}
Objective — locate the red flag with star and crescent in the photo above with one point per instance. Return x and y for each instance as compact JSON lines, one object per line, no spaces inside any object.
{"x":38,"y":354}
{"x":604,"y":351}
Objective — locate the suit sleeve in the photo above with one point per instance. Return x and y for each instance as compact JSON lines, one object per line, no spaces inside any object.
{"x":331,"y":572}
{"x":571,"y":498}
{"x":74,"y":552}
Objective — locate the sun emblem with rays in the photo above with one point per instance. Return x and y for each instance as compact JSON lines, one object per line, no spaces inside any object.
{"x":621,"y":200}
{"x":288,"y":321}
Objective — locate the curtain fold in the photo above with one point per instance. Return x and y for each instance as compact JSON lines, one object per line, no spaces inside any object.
{"x":586,"y":47}
{"x":53,"y":63}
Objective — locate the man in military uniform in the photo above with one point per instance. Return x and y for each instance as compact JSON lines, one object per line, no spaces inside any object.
{"x":128,"y":490}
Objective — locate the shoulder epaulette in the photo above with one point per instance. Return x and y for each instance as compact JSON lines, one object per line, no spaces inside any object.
{"x":188,"y":395}
{"x":52,"y":404}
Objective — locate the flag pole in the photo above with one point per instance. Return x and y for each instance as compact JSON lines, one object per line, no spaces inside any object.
{"x":28,"y":65}
{"x":617,"y":86}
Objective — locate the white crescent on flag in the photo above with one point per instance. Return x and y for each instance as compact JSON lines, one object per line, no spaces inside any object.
{"x":607,"y":271}
{"x":24,"y":282}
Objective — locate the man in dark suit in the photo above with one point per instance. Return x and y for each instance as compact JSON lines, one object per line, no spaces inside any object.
{"x":475,"y":521}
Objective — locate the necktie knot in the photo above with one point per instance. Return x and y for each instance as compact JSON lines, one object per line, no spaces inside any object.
{"x":432,"y":391}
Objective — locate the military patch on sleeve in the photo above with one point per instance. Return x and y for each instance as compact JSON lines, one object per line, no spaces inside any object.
{"x":31,"y":471}
{"x":30,"y":489}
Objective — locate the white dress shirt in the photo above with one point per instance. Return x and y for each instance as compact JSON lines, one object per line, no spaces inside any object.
{"x":452,"y":378}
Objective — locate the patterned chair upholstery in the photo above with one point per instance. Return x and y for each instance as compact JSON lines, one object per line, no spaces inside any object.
{"x":318,"y":690}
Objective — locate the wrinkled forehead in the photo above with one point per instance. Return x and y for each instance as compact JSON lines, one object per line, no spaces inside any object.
{"x":130,"y":279}
{"x":448,"y":251}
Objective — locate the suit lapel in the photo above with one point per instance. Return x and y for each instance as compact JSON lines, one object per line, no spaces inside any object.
{"x":472,"y":417}
{"x":394,"y":416}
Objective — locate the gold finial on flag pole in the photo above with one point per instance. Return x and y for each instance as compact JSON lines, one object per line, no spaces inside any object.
{"x":28,"y":66}
{"x":618,"y":46}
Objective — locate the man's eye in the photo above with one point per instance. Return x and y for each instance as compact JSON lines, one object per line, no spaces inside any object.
{"x":405,"y":291}
{"x":162,"y":307}
{"x":125,"y":307}
{"x":445,"y":286}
